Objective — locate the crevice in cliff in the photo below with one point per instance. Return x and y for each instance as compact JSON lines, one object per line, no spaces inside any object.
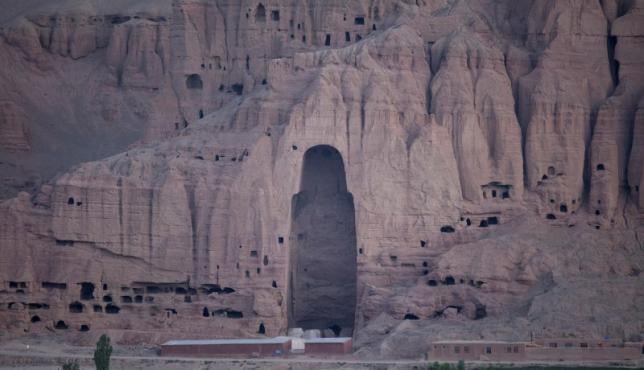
{"x":190,"y":191}
{"x":611,"y":43}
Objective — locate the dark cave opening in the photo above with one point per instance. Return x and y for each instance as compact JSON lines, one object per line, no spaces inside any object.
{"x":323,"y":270}
{"x":194,"y":81}
{"x":75,"y":307}
{"x":87,"y":291}
{"x":260,"y":13}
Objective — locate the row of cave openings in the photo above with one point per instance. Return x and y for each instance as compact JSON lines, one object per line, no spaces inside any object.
{"x":480,"y":313}
{"x":563,"y":206}
{"x":87,"y":290}
{"x":449,"y":280}
{"x":195,"y":82}
{"x":483,"y":222}
{"x":358,"y":20}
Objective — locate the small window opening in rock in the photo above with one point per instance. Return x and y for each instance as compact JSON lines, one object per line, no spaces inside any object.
{"x":600,"y":167}
{"x":265,"y":261}
{"x":200,"y":113}
{"x":50,"y":285}
{"x":481,"y":312}
{"x":275,"y":15}
{"x":75,"y":307}
{"x":360,"y":251}
{"x":393,"y":258}
{"x":238,"y":88}
{"x":274,"y":284}
{"x":637,"y":188}
{"x":185,"y":123}
{"x":203,"y":66}
{"x":597,"y":212}
{"x":112,"y":308}
{"x":84,"y":328}
{"x":280,"y":240}
{"x":425,"y":264}
{"x":563,"y":208}
{"x":506,"y":195}
{"x":425,"y":272}
{"x":35,"y":319}
{"x":327,"y":40}
{"x":194,"y":81}
{"x":259,"y":271}
{"x":60,"y":325}
{"x":597,"y":227}
{"x":152,"y":289}
{"x":126,"y":299}
{"x":234,"y":314}
{"x":260,"y":13}
{"x":347,"y":36}
{"x":493,"y":220}
{"x":304,"y":38}
{"x":107,"y":298}
{"x":410,"y":316}
{"x":358,"y":20}
{"x":205,"y":312}
{"x":138,"y":299}
{"x":247,"y":273}
{"x":544,"y":177}
{"x":87,"y":291}
{"x":373,"y":26}
{"x":264,"y":82}
{"x":70,"y":201}
{"x":423,"y":243}
{"x":483,"y":223}
{"x":468,"y":222}
{"x":358,"y":37}
{"x":449,"y":280}
{"x":253,"y":253}
{"x":550,"y":216}
{"x":551,"y":171}
{"x":262,"y":329}
{"x":294,"y":147}
{"x":447,"y":229}
{"x":493,"y":193}
{"x":247,"y":62}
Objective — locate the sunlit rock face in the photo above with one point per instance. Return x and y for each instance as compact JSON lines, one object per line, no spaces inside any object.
{"x":251,"y":166}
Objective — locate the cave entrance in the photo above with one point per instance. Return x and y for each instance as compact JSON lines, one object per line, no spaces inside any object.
{"x":322,"y":272}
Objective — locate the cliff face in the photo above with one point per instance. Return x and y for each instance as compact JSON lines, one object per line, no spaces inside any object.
{"x":475,"y":165}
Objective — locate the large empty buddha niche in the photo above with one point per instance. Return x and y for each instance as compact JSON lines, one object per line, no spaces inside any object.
{"x":322,"y":274}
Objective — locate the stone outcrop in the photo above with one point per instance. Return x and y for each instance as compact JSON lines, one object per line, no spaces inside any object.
{"x":477,"y":165}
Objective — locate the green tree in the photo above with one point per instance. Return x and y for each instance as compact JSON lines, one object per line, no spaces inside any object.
{"x":102,"y":353}
{"x":461,"y":365}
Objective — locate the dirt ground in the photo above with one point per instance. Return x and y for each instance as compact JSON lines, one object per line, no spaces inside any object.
{"x":44,"y":353}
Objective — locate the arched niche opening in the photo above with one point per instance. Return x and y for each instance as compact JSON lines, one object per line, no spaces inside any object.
{"x":194,"y":81}
{"x":323,"y":265}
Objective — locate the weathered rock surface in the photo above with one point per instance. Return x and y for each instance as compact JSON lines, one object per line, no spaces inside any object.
{"x":491,"y":152}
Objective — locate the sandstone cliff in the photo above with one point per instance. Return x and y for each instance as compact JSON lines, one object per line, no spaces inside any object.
{"x":488,"y":157}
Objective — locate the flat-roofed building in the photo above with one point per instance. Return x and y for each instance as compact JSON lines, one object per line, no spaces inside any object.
{"x":331,"y":346}
{"x":477,"y":350}
{"x":278,"y":346}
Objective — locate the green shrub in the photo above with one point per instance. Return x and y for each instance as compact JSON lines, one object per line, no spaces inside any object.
{"x":71,"y":365}
{"x":461,"y":365}
{"x":103,"y":353}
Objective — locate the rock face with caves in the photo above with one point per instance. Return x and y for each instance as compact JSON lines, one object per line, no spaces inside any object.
{"x":396,"y":170}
